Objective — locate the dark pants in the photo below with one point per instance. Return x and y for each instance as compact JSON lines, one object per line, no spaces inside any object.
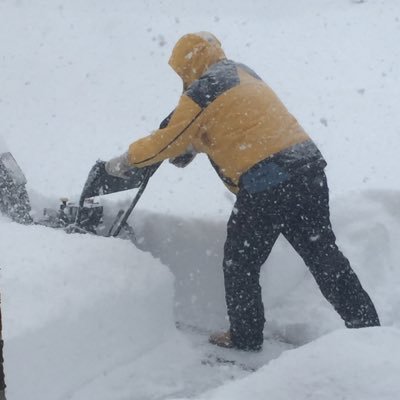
{"x":299,"y":209}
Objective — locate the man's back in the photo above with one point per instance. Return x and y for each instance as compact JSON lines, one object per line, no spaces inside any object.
{"x":242,"y":120}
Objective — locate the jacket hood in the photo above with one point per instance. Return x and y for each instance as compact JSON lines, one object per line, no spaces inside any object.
{"x":193,"y":54}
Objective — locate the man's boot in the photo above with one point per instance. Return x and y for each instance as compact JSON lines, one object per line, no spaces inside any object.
{"x":221,"y":339}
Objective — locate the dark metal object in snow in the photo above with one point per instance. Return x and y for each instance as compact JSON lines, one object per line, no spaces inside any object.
{"x":2,"y":380}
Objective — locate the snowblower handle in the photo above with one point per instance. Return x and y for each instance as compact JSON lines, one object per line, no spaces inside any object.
{"x":114,"y":231}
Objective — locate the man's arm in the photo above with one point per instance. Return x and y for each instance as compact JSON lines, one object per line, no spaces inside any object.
{"x":184,"y":159}
{"x":172,"y":141}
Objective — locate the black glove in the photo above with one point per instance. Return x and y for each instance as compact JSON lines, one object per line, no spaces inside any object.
{"x":183,"y":160}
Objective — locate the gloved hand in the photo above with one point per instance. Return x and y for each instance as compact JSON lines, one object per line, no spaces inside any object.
{"x":118,"y":166}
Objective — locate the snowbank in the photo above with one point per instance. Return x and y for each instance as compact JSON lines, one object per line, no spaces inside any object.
{"x":76,"y":306}
{"x":63,"y":275}
{"x":89,"y":317}
{"x":358,"y":365}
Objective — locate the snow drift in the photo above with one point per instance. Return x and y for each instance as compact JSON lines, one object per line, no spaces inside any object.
{"x":356,"y":365}
{"x":89,"y":317}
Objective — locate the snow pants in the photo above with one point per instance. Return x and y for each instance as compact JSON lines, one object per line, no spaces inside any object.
{"x":299,"y":209}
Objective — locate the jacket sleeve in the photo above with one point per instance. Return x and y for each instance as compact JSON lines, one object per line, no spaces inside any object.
{"x":168,"y":142}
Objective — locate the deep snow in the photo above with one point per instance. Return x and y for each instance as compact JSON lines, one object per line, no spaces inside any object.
{"x":88,"y":317}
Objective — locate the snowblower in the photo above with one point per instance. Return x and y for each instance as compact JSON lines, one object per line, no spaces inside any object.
{"x":84,"y":217}
{"x":87,"y":215}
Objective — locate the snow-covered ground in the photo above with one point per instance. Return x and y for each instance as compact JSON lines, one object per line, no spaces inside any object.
{"x":95,"y":318}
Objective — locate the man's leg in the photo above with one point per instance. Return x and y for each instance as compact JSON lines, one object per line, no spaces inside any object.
{"x":250,"y":237}
{"x":309,"y":230}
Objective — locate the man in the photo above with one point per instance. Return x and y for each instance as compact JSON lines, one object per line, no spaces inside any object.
{"x":264,"y":156}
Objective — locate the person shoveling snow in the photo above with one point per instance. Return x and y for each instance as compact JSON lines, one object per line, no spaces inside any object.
{"x":265,"y":157}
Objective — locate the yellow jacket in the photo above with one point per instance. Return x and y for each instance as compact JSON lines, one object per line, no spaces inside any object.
{"x":225,"y":111}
